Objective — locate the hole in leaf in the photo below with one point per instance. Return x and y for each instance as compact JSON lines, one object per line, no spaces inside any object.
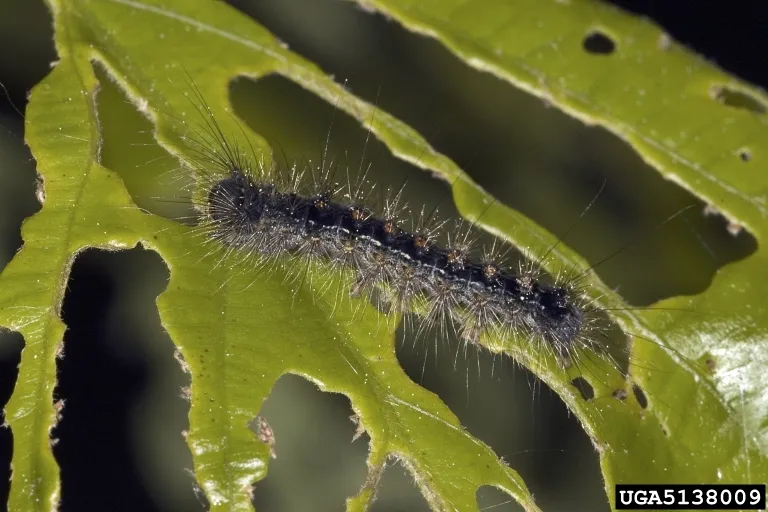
{"x":642,"y":400}
{"x":475,"y":119}
{"x":119,"y":442}
{"x":496,"y":500}
{"x":154,"y":178}
{"x":398,"y":491}
{"x":585,"y":388}
{"x":17,"y":182}
{"x":317,"y":465}
{"x":598,"y":43}
{"x":735,"y":98}
{"x":29,"y":30}
{"x":745,"y":155}
{"x":11,"y":345}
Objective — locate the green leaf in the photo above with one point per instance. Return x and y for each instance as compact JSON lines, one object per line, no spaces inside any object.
{"x":237,"y":335}
{"x":698,"y":126}
{"x":212,"y":313}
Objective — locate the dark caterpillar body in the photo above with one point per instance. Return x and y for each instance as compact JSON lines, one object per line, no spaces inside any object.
{"x":479,"y":294}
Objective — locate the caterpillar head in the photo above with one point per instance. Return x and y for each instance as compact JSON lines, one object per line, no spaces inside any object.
{"x":237,"y":201}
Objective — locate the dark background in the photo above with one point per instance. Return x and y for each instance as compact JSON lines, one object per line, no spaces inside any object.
{"x":120,"y":446}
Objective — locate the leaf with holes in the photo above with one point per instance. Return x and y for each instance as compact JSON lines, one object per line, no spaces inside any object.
{"x":209,"y":318}
{"x":699,"y":127}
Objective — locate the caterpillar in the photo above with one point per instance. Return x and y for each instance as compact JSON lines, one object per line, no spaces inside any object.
{"x":264,"y":215}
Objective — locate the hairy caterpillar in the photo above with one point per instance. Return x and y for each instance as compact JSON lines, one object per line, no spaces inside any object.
{"x":264,"y":215}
